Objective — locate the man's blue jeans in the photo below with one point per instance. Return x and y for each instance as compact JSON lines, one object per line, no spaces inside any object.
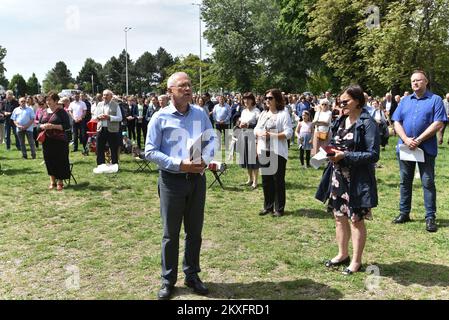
{"x":427,"y":172}
{"x":8,"y":128}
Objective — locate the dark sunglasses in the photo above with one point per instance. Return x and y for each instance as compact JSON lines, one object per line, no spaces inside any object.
{"x":269,"y":98}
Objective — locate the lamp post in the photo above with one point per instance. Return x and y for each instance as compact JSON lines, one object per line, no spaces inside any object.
{"x":126,"y":57}
{"x":93,"y":89}
{"x":201,"y":49}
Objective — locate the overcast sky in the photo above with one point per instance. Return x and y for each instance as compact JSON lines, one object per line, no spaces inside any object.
{"x":39,"y":33}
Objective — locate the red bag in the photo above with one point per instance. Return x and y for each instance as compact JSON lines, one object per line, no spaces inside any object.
{"x":41,"y":136}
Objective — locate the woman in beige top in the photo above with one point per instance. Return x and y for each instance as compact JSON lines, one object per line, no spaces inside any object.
{"x":322,"y":122}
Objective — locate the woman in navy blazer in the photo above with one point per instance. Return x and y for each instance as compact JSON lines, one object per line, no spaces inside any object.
{"x":349,"y":180}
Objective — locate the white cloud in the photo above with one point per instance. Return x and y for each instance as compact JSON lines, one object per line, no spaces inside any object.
{"x":41,"y":33}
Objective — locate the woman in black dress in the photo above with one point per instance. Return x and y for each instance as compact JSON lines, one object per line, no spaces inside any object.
{"x":55,"y":121}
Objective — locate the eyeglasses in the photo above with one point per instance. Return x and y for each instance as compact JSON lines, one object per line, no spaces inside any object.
{"x":184,"y":86}
{"x":269,"y":98}
{"x":344,"y":102}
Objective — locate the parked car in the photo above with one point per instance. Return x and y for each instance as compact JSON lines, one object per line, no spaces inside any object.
{"x":68,"y":93}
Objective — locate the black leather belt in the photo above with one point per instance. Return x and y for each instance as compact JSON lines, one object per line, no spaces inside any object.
{"x":187,"y":176}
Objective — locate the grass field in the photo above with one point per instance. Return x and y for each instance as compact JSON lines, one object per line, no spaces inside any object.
{"x":106,"y":232}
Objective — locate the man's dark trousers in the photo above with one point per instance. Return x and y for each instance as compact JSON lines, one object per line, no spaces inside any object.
{"x":182,"y":197}
{"x":112,"y":139}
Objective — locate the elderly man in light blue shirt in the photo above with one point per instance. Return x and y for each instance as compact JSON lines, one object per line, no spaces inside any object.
{"x":222,"y":115}
{"x":23,"y":118}
{"x":180,"y":139}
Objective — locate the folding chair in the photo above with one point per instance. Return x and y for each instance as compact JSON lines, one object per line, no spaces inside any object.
{"x":217,"y":169}
{"x":92,"y":135}
{"x":92,"y":140}
{"x":142,"y":163}
{"x":71,"y":175}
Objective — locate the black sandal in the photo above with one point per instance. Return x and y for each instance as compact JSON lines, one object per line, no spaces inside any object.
{"x":331,"y":264}
{"x":348,"y":272}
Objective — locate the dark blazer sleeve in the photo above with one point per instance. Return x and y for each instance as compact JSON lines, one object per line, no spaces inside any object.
{"x":370,"y":141}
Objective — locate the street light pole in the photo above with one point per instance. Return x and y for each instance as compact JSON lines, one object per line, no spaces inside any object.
{"x":126,"y":57}
{"x":93,"y":89}
{"x":201,"y":48}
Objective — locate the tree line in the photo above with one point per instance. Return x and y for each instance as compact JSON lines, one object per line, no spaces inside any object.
{"x":295,"y":45}
{"x":316,"y":45}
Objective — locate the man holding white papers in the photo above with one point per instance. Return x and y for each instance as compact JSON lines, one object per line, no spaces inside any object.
{"x":417,"y":120}
{"x":181,"y":185}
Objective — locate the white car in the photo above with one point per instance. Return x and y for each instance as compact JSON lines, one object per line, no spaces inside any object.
{"x":68,"y":93}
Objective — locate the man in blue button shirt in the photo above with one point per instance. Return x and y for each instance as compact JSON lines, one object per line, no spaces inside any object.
{"x":23,"y":118}
{"x":182,"y":183}
{"x":417,"y":120}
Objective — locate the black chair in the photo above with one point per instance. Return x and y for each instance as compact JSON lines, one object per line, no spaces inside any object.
{"x":142,"y":163}
{"x":71,"y":175}
{"x":217,"y":169}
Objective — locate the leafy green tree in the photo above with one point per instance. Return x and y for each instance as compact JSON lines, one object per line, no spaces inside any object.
{"x":145,"y":70}
{"x":91,"y":69}
{"x":58,"y":78}
{"x":4,"y":82}
{"x":232,"y":33}
{"x":33,"y":85}
{"x":3,"y":52}
{"x":114,"y":75}
{"x":18,"y":85}
{"x":163,"y":61}
{"x":191,"y":66}
{"x":413,"y":34}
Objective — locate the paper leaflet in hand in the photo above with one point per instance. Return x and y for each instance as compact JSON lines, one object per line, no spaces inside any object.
{"x":405,"y":154}
{"x":195,"y":150}
{"x":319,"y":159}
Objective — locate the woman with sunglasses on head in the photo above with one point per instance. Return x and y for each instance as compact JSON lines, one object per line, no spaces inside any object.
{"x":349,"y":180}
{"x":273,"y":129}
{"x":322,"y":122}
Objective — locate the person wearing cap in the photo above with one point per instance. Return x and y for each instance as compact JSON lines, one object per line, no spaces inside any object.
{"x":55,"y":122}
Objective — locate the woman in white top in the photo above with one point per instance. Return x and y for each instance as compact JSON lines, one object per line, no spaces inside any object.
{"x":246,"y":144}
{"x":322,"y":122}
{"x":273,"y":129}
{"x":382,"y":123}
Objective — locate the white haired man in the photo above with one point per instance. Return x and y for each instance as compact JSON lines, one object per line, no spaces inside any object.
{"x":182,"y":184}
{"x":109,"y":116}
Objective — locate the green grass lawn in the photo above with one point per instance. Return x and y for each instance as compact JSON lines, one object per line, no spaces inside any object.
{"x":107,"y":228}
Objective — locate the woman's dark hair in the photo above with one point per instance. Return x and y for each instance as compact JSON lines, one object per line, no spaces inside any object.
{"x":277,"y":94}
{"x":250,"y":96}
{"x":356,"y":93}
{"x":53,"y":96}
